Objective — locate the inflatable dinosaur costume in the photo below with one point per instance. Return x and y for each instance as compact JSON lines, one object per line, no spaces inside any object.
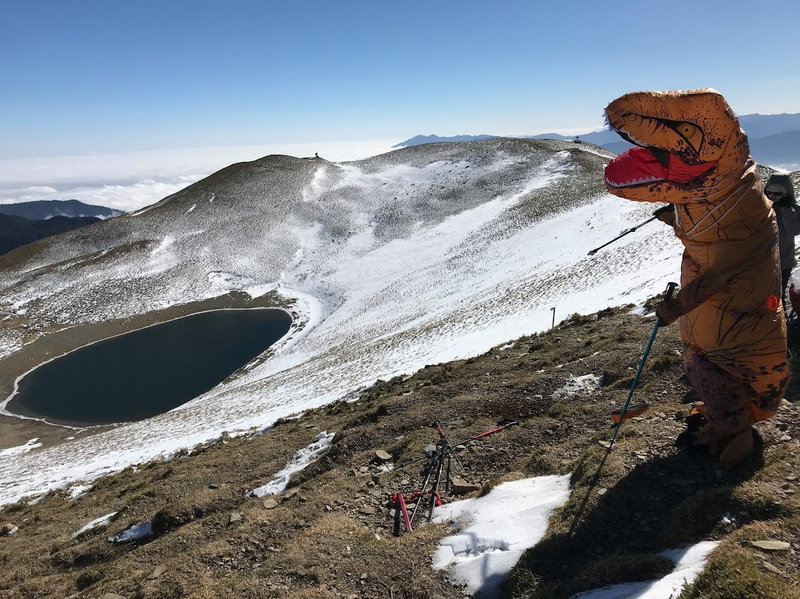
{"x":692,"y":154}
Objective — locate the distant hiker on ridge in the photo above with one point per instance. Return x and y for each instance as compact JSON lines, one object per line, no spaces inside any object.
{"x":693,"y":155}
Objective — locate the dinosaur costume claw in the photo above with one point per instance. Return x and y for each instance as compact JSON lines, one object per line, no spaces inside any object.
{"x":693,"y":154}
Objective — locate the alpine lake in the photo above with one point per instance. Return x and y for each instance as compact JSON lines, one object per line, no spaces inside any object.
{"x":148,"y":371}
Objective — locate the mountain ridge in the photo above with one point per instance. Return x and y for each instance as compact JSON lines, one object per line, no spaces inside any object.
{"x":25,"y":222}
{"x":773,"y":138}
{"x":499,"y":232}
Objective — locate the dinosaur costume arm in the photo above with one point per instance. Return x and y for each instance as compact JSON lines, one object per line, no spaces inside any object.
{"x":717,"y":269}
{"x":696,"y":292}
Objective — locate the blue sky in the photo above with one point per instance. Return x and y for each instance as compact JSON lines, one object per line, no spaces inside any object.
{"x":111,"y":76}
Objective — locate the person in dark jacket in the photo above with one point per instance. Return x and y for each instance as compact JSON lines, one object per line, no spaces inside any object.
{"x":780,"y":191}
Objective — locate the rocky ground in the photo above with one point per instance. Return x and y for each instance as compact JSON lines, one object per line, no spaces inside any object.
{"x":330,"y":534}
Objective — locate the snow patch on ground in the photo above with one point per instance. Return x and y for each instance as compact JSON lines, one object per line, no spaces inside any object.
{"x":78,"y":491}
{"x":689,"y":562}
{"x":133,"y":533}
{"x":96,"y":523}
{"x":223,"y":282}
{"x":496,"y":529}
{"x":20,"y":449}
{"x":579,"y":385}
{"x":299,"y":461}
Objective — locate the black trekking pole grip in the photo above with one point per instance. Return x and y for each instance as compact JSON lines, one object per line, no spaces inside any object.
{"x":671,"y":287}
{"x":662,"y":210}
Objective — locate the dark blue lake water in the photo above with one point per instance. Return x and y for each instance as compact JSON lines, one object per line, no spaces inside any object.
{"x":149,"y":371}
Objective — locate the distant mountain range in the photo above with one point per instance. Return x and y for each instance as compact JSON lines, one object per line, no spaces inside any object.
{"x":774,"y":139}
{"x":28,"y":221}
{"x":44,"y":209}
{"x":427,"y":139}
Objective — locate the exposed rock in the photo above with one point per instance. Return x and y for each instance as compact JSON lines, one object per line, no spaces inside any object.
{"x":158,"y":571}
{"x":382,"y":456}
{"x":270,"y":503}
{"x":8,"y":529}
{"x":771,"y":545}
{"x":461,"y":487}
{"x":774,"y":569}
{"x":235,"y":517}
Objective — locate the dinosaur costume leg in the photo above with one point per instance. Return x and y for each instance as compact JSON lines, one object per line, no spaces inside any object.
{"x":727,"y":407}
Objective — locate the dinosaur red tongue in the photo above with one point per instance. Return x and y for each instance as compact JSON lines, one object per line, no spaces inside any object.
{"x":639,"y":166}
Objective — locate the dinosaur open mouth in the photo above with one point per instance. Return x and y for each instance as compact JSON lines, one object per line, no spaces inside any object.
{"x":643,"y":166}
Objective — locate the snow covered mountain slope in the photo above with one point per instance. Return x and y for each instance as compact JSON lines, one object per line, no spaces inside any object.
{"x":414,"y":257}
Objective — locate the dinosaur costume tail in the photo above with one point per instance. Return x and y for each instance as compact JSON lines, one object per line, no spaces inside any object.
{"x":693,"y":154}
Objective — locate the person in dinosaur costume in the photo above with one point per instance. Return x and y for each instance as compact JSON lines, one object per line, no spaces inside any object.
{"x":691,"y":153}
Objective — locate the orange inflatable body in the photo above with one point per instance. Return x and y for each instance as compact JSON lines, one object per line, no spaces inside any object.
{"x":693,"y":154}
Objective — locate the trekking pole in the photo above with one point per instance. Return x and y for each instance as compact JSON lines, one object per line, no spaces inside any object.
{"x":502,"y":425}
{"x":448,"y":482}
{"x":656,"y":214}
{"x":435,"y":492}
{"x":427,"y":476}
{"x":668,"y":294}
{"x":399,"y":510}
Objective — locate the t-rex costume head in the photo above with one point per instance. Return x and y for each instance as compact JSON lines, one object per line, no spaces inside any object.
{"x":690,"y":146}
{"x":692,"y":153}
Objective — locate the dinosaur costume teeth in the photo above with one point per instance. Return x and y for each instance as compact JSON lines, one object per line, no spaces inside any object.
{"x":694,"y":155}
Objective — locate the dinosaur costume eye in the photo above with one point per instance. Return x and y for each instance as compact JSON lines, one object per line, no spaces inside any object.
{"x":687,"y":130}
{"x":690,"y":132}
